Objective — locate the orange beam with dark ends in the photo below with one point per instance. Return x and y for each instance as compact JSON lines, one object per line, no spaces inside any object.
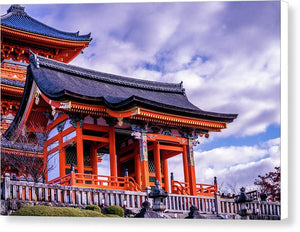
{"x":181,"y":119}
{"x":79,"y":146}
{"x":157,"y":163}
{"x":137,"y":165}
{"x":112,"y":152}
{"x":166,"y":174}
{"x":185,"y":164}
{"x":94,"y":159}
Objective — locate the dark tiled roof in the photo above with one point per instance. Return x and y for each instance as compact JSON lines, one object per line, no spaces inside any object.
{"x":60,"y":81}
{"x":20,"y":146}
{"x":17,"y":18}
{"x":12,"y":82}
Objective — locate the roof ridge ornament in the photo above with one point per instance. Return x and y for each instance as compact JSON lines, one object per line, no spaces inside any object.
{"x":34,"y":59}
{"x":17,"y":9}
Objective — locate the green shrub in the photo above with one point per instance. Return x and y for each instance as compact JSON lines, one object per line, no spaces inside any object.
{"x":116,"y":210}
{"x":93,"y":208}
{"x":40,"y":210}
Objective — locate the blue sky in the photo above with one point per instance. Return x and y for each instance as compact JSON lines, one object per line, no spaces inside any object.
{"x":226,"y":53}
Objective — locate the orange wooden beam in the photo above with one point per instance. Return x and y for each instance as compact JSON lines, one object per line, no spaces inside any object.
{"x":166,"y":174}
{"x":112,"y":152}
{"x":94,"y":127}
{"x":137,"y":166}
{"x":65,"y":132}
{"x":62,"y":156}
{"x":185,"y":165}
{"x":171,"y":148}
{"x":95,"y":139}
{"x":94,"y":159}
{"x":157,"y":162}
{"x":181,"y":119}
{"x":79,"y":146}
{"x":167,"y":138}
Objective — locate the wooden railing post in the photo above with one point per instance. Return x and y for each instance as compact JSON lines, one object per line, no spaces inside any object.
{"x":216,"y":196}
{"x":6,"y":187}
{"x":172,"y":180}
{"x":72,"y":176}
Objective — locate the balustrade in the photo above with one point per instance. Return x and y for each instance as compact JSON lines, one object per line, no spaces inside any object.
{"x":76,"y":196}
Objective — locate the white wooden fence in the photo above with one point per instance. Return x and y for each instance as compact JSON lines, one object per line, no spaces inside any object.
{"x":24,"y":191}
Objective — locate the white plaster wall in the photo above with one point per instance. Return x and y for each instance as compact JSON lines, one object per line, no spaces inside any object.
{"x":53,"y":165}
{"x":52,"y":133}
{"x":52,"y":145}
{"x":68,"y":124}
{"x":69,"y":136}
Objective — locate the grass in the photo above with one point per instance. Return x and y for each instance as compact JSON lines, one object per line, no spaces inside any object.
{"x":41,"y":210}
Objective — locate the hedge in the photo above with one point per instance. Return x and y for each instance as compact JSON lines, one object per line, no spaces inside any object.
{"x":41,"y":210}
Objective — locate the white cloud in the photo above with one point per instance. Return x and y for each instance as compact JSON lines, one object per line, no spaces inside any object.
{"x":238,"y":165}
{"x":227,"y":54}
{"x":233,"y":166}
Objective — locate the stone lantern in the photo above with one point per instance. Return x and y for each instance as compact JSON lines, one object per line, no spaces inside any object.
{"x":242,"y":199}
{"x":158,"y":196}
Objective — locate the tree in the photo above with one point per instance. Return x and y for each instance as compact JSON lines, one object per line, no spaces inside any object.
{"x":25,"y":158}
{"x":269,"y":184}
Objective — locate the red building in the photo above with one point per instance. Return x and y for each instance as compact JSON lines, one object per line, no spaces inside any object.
{"x":84,"y":115}
{"x":19,"y":33}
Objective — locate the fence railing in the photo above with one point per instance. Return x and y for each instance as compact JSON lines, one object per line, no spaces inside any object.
{"x":97,"y":181}
{"x":257,"y":207}
{"x":81,"y":196}
{"x":69,"y":195}
{"x":183,"y":188}
{"x":176,"y":203}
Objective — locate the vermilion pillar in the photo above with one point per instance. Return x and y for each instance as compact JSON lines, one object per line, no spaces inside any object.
{"x":94,"y":159}
{"x":112,"y":152}
{"x":137,"y":166}
{"x":62,"y":156}
{"x":191,"y":168}
{"x":79,"y":146}
{"x":144,"y":160}
{"x":166,"y":174}
{"x":185,"y":164}
{"x":157,"y":162}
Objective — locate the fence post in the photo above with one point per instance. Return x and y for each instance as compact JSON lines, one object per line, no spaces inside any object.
{"x":216,"y":196}
{"x":72,"y":176}
{"x":6,"y":187}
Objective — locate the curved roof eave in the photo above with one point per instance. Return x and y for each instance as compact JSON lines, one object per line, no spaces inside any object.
{"x":17,"y":18}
